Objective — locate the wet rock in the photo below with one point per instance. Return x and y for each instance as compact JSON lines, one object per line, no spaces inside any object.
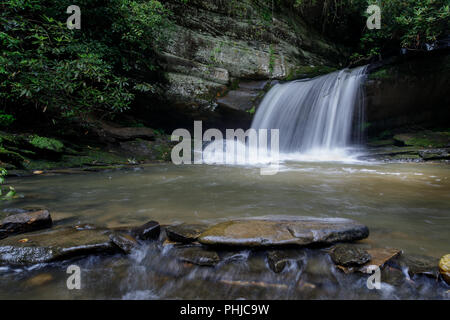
{"x":417,"y":265}
{"x":278,"y":260}
{"x":347,"y":255}
{"x":240,"y":100}
{"x":124,"y":241}
{"x":53,"y":245}
{"x":198,"y":255}
{"x":378,"y":257}
{"x":148,"y":231}
{"x":444,"y":267}
{"x":25,"y":222}
{"x":287,"y":231}
{"x":435,"y":154}
{"x":185,"y":233}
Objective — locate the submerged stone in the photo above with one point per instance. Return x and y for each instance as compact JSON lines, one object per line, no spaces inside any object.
{"x":278,"y":260}
{"x":25,"y":222}
{"x":347,"y":255}
{"x":53,"y":245}
{"x":378,"y":257}
{"x":185,"y":233}
{"x":444,"y":267}
{"x":418,"y":265}
{"x":198,"y":255}
{"x":266,"y":232}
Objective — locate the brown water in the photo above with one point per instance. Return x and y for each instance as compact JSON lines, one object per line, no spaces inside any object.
{"x":405,"y":206}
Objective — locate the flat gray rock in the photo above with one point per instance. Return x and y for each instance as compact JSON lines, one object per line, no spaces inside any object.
{"x":25,"y":222}
{"x":53,"y":245}
{"x":267,"y":232}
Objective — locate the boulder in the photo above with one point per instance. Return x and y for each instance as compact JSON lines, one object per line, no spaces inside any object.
{"x":444,"y":267}
{"x":25,"y":222}
{"x":53,"y":245}
{"x":301,"y":231}
{"x":185,"y":233}
{"x":347,"y":255}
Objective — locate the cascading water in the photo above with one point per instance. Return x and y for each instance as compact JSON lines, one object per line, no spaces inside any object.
{"x":318,"y":119}
{"x":315,"y":117}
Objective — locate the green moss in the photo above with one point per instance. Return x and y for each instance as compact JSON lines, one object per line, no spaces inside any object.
{"x":12,"y":157}
{"x":271,"y":58}
{"x":309,"y":72}
{"x":427,"y":139}
{"x":46,"y":143}
{"x":380,"y":75}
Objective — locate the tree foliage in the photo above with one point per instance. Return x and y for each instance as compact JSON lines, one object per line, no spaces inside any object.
{"x":46,"y":66}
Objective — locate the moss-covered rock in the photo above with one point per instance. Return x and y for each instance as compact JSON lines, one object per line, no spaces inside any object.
{"x":48,"y":144}
{"x":427,"y":139}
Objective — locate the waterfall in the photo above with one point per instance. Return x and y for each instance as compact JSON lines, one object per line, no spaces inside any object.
{"x":320,"y":116}
{"x":317,"y":119}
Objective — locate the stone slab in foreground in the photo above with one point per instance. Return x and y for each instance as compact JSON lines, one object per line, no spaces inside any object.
{"x":53,"y":245}
{"x":25,"y":222}
{"x":266,"y":232}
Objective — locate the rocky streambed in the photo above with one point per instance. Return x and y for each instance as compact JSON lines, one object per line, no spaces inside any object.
{"x":260,"y":257}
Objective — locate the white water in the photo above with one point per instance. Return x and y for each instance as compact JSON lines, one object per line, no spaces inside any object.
{"x":318,"y":120}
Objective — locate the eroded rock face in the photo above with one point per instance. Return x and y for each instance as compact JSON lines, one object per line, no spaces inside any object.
{"x":25,"y":222}
{"x":216,"y":44}
{"x":288,"y":231}
{"x":185,"y":233}
{"x":53,"y":245}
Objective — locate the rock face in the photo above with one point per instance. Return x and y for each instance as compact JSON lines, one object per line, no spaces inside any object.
{"x":444,"y":267}
{"x":53,"y":245}
{"x":346,"y":255}
{"x":25,"y":222}
{"x":288,"y":231}
{"x":216,"y":45}
{"x":185,"y":233}
{"x":409,"y":92}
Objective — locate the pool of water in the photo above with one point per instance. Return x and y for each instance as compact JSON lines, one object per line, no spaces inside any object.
{"x":405,"y":206}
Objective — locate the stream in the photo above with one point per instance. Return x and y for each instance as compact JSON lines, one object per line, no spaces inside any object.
{"x":405,"y":205}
